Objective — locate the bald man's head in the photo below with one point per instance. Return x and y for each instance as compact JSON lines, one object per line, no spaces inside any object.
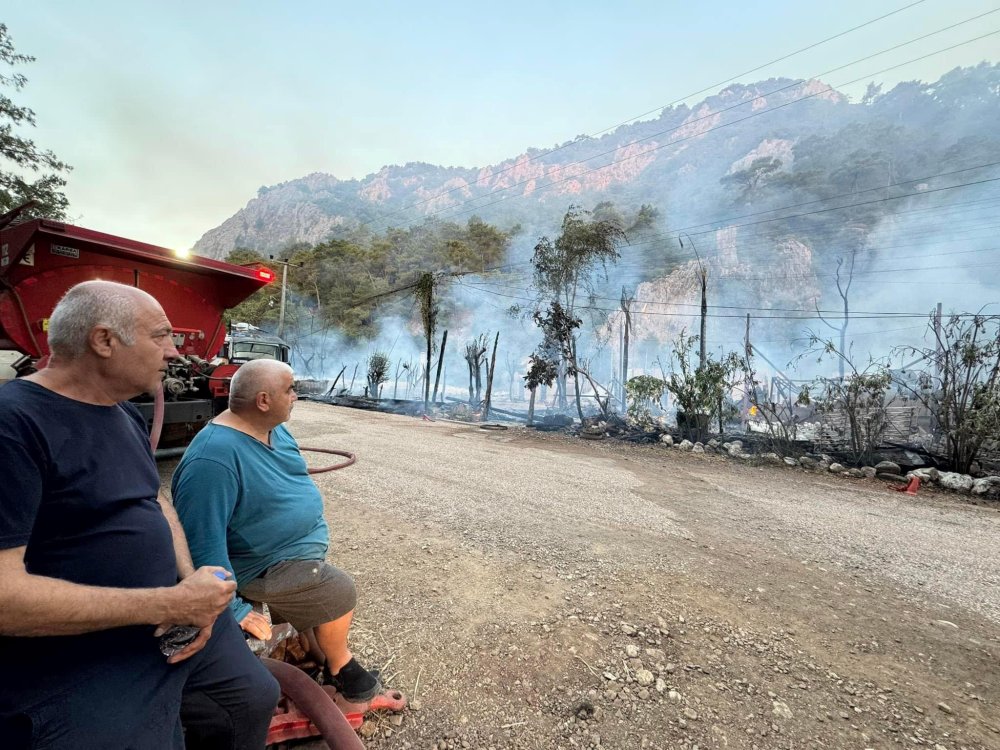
{"x":255,"y":377}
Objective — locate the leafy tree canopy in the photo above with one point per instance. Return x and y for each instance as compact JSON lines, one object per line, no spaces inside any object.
{"x":589,"y":241}
{"x":346,"y":283}
{"x":26,"y":171}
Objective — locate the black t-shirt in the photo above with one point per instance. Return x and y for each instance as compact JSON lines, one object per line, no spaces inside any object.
{"x":79,"y":488}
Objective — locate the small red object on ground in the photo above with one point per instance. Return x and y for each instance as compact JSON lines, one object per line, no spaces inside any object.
{"x":910,"y":488}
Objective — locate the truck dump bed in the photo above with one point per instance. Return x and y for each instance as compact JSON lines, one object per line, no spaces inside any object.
{"x":41,"y":259}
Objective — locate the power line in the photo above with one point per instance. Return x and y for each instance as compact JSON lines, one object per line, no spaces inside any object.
{"x":740,"y":316}
{"x":749,"y":247}
{"x":670,"y":234}
{"x":869,"y":315}
{"x":828,"y":198}
{"x":856,"y":273}
{"x":710,"y":87}
{"x":687,"y":123}
{"x":879,"y":332}
{"x":757,"y":245}
{"x":760,"y":245}
{"x":828,"y":209}
{"x":484,"y":286}
{"x":817,"y":233}
{"x":929,"y":191}
{"x":860,"y":315}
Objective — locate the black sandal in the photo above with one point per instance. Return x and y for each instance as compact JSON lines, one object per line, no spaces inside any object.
{"x":355,"y":683}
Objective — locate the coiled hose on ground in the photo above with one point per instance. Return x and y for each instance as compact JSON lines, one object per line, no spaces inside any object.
{"x":315,"y":703}
{"x":351,"y":458}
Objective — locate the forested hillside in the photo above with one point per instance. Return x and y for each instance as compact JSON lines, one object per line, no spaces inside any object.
{"x":782,"y":190}
{"x":826,"y":145}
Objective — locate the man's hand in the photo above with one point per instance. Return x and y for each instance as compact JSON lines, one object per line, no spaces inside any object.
{"x":193,"y":647}
{"x":256,"y":625}
{"x":201,"y":597}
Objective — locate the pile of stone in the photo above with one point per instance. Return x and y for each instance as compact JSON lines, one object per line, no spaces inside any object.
{"x":889,"y":471}
{"x":950,"y":480}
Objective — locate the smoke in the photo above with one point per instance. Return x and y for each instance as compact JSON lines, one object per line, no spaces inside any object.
{"x":843,"y":201}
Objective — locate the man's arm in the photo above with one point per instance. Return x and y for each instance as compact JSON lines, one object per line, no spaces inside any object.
{"x":34,"y":605}
{"x":205,"y":492}
{"x":185,"y":566}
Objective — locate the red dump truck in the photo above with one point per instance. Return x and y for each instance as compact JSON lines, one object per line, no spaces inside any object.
{"x":41,"y":259}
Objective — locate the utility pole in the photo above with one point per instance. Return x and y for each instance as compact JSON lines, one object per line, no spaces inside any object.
{"x":489,"y":379}
{"x":702,"y":353}
{"x":284,"y":287}
{"x":748,"y":385}
{"x":428,"y":316}
{"x":284,"y":284}
{"x":626,"y":305}
{"x":704,"y":314}
{"x":937,"y":345}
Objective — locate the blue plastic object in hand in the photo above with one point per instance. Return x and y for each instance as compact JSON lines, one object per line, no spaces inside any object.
{"x":177,"y":637}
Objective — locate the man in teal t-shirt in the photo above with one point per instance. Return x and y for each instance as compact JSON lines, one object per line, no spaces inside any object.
{"x":247,"y":503}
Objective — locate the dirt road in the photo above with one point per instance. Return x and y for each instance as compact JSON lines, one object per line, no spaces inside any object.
{"x":532,"y":590}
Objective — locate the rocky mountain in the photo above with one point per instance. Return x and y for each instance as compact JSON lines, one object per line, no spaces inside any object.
{"x":674,"y":162}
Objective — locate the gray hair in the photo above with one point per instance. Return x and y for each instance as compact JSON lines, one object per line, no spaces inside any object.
{"x":90,"y":304}
{"x":255,"y":376}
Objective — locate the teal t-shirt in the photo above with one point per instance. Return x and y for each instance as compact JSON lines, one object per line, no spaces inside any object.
{"x":246,"y":506}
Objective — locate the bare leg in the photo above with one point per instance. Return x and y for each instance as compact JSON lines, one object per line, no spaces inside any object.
{"x":352,"y":680}
{"x":332,"y":640}
{"x":314,"y":650}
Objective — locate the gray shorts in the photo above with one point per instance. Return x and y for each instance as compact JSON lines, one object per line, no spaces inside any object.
{"x":305,"y":593}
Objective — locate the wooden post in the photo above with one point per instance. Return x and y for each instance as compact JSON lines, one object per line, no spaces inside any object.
{"x":703,"y":357}
{"x":437,"y":378}
{"x":427,"y":370}
{"x":616,"y":369}
{"x":281,"y":312}
{"x":489,"y":379}
{"x":626,"y":307}
{"x":748,"y":385}
{"x":937,"y":345}
{"x":425,"y":294}
{"x":336,"y":379}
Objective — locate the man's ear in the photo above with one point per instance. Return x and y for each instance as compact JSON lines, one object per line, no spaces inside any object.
{"x":101,"y":341}
{"x":263,"y":401}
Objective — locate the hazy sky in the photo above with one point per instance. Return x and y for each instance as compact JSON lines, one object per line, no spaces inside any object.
{"x":173,"y":114}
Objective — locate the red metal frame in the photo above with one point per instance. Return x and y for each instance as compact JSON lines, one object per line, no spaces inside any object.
{"x":41,"y":259}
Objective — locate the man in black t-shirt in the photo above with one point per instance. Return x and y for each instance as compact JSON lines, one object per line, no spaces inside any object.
{"x":91,"y":555}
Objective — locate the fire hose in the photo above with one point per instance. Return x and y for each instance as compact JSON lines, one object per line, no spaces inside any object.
{"x":157,"y":428}
{"x":351,"y":458}
{"x":316,"y":704}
